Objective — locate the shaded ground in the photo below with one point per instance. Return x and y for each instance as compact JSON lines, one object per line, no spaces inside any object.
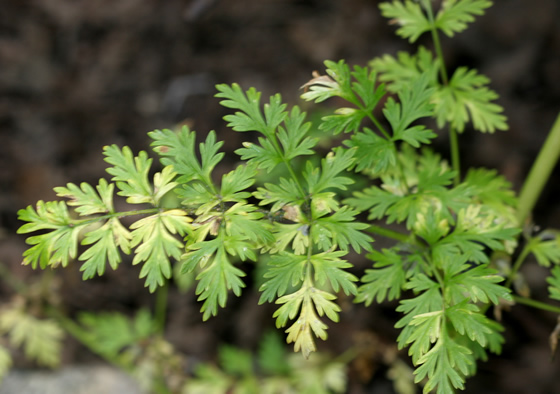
{"x":78,"y":75}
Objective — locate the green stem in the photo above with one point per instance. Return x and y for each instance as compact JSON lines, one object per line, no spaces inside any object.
{"x":453,"y":138}
{"x":349,"y":355}
{"x":455,"y":158}
{"x":288,"y":165}
{"x":115,"y":215}
{"x":296,"y":179}
{"x":82,"y":336}
{"x":160,"y":309}
{"x":385,"y":232}
{"x":437,"y":44}
{"x":377,"y":124}
{"x":518,"y":262}
{"x":536,"y":304}
{"x":540,"y":172}
{"x":388,"y":137}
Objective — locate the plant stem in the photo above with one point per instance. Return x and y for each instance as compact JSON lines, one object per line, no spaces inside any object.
{"x":455,"y":158}
{"x":536,"y":304}
{"x":453,"y":138}
{"x":539,"y":174}
{"x":160,"y":309}
{"x":347,"y":356}
{"x":81,"y":335}
{"x":518,"y":262}
{"x":385,"y":232}
{"x":115,"y":215}
{"x":437,"y":44}
{"x":377,"y":124}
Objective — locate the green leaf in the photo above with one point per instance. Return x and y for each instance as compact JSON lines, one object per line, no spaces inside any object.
{"x":409,"y":16}
{"x":41,"y":339}
{"x":341,"y":230}
{"x":130,"y":173}
{"x":265,"y":156}
{"x":403,"y":70}
{"x":5,"y":362}
{"x":378,"y":202}
{"x":199,"y":254}
{"x":364,"y":88}
{"x":236,"y":361}
{"x":177,"y":149}
{"x":242,"y":220}
{"x":337,"y":83}
{"x":235,"y":182}
{"x":328,"y":177}
{"x":493,"y":192}
{"x":414,"y":104}
{"x":426,"y":190}
{"x":328,"y":266}
{"x":312,"y":302}
{"x":51,"y":248}
{"x":473,"y":232}
{"x":157,"y":244}
{"x":105,"y":243}
{"x":554,"y":282}
{"x":429,"y":300}
{"x":386,"y":280}
{"x":163,"y":183}
{"x":295,"y":234}
{"x":361,"y":92}
{"x":272,"y":355}
{"x":479,"y":283}
{"x":109,"y":333}
{"x":372,"y":152}
{"x":467,"y":98}
{"x":467,"y":320}
{"x":286,"y":270}
{"x":426,"y":330}
{"x":218,"y":274}
{"x":198,"y":196}
{"x":249,"y":117}
{"x":546,"y":250}
{"x":85,"y":198}
{"x":294,"y":136}
{"x":455,"y":14}
{"x":445,"y":366}
{"x":343,"y":120}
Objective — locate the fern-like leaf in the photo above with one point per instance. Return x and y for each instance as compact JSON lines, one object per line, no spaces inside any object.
{"x":455,"y":14}
{"x":156,"y":242}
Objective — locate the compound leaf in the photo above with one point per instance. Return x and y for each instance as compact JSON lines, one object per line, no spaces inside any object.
{"x":157,"y":244}
{"x":86,"y":200}
{"x":41,"y":339}
{"x":467,"y":98}
{"x":51,"y":248}
{"x":386,"y":280}
{"x":130,"y":173}
{"x":455,"y":14}
{"x":554,"y":282}
{"x":286,"y":270}
{"x":409,"y":16}
{"x":105,"y":242}
{"x":328,"y":266}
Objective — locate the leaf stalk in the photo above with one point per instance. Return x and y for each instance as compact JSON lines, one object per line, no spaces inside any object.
{"x":539,"y":173}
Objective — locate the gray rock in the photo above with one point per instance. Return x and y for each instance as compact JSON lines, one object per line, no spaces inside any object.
{"x":88,"y":379}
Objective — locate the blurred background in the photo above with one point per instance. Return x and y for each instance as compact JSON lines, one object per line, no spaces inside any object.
{"x":76,"y":75}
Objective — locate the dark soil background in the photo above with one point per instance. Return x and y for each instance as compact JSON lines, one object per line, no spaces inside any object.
{"x":76,"y":75}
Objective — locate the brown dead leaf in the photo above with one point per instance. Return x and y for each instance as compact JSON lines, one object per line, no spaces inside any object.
{"x":291,"y":212}
{"x":318,"y":79}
